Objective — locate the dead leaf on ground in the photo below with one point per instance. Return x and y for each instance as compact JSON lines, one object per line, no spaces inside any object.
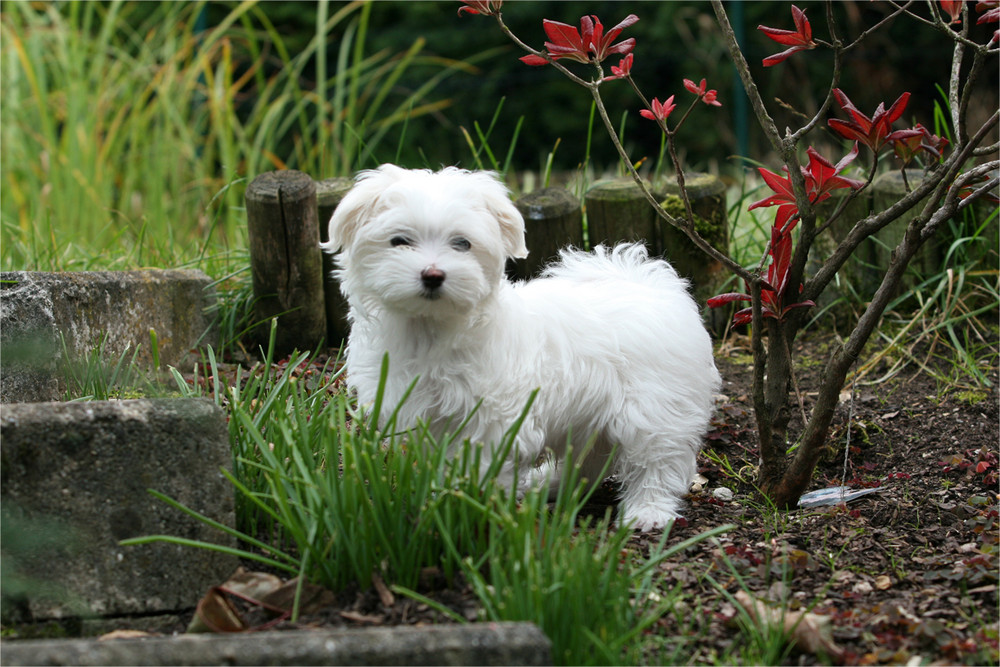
{"x":384,"y":594}
{"x":312,"y":599}
{"x":216,"y":613}
{"x":250,"y":584}
{"x":812,"y":633}
{"x":358,"y":617}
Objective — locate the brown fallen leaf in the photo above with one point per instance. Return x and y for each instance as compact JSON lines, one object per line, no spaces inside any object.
{"x":358,"y":617}
{"x":253,"y":585}
{"x":312,"y":599}
{"x":812,"y":633}
{"x":384,"y":594}
{"x":215,"y":613}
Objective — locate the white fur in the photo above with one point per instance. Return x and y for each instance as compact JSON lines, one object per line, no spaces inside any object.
{"x":612,"y":339}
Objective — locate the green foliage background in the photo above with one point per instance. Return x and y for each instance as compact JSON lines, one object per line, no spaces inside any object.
{"x":130,"y":129}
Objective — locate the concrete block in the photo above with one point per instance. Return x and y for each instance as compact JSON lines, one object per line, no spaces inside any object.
{"x":475,"y":644}
{"x":73,"y":483}
{"x":35,"y":308}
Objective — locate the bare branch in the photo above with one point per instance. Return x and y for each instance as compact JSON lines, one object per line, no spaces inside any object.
{"x":986,"y":150}
{"x":899,"y":9}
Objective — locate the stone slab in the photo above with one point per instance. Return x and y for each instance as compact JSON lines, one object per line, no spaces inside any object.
{"x":84,"y":307}
{"x":474,"y":644}
{"x":73,"y":483}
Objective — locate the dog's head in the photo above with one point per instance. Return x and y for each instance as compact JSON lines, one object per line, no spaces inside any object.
{"x":424,"y":243}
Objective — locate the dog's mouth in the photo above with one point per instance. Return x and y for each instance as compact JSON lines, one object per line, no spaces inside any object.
{"x":431,"y":294}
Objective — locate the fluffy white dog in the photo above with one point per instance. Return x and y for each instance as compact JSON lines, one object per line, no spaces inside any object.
{"x":612,"y":339}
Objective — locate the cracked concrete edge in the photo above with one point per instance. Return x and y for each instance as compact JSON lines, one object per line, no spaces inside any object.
{"x":40,"y":312}
{"x":474,"y":644}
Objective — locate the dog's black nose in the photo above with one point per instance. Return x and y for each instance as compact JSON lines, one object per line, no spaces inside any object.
{"x":432,"y":277}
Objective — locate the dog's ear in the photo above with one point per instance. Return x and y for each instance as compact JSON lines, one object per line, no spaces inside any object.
{"x":511,"y":222}
{"x":359,"y":204}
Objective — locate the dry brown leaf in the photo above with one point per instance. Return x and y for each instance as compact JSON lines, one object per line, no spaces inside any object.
{"x":253,"y":585}
{"x":215,"y":613}
{"x":812,"y":633}
{"x":313,"y":597}
{"x":384,"y":594}
{"x":358,"y":617}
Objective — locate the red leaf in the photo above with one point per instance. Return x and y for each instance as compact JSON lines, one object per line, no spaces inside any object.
{"x":623,"y":69}
{"x":723,"y":299}
{"x":659,"y":111}
{"x":489,"y":7}
{"x":953,"y":8}
{"x":873,"y":132}
{"x":897,"y":109}
{"x":533,"y":60}
{"x":799,"y":39}
{"x":744,"y":316}
{"x":696,"y":89}
{"x":586,"y":43}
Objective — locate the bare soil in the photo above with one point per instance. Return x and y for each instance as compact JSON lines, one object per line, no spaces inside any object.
{"x":909,"y":571}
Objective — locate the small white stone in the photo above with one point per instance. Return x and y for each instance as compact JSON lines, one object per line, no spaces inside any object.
{"x":723,"y":494}
{"x":698,"y":483}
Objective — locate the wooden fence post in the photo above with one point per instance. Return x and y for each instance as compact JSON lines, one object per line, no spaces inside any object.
{"x":707,"y":195}
{"x":329,"y":193}
{"x":888,"y":189}
{"x":617,"y":211}
{"x":862,"y":273}
{"x":856,"y":279}
{"x":285,"y":259}
{"x":553,"y":219}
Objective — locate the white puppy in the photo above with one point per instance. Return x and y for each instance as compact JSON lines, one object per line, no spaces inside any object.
{"x":612,"y":339}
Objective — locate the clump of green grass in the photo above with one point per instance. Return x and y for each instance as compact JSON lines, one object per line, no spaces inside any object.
{"x":345,"y":494}
{"x":100,"y":374}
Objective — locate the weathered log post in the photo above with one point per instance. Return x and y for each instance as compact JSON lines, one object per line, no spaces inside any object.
{"x":329,"y":193}
{"x":617,"y":211}
{"x":855,"y":281}
{"x":553,"y":219}
{"x":285,"y":259}
{"x":707,"y":195}
{"x":888,"y":189}
{"x":862,"y":273}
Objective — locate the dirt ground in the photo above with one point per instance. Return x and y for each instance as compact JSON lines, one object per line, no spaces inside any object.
{"x":909,"y":571}
{"x":907,"y":574}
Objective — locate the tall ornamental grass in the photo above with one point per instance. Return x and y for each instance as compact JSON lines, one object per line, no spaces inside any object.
{"x":130,"y":129}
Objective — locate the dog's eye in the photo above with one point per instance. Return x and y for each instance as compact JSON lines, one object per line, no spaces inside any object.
{"x":461,"y":244}
{"x":398,"y":241}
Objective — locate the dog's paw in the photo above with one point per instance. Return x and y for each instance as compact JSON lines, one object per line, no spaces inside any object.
{"x":645,"y":519}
